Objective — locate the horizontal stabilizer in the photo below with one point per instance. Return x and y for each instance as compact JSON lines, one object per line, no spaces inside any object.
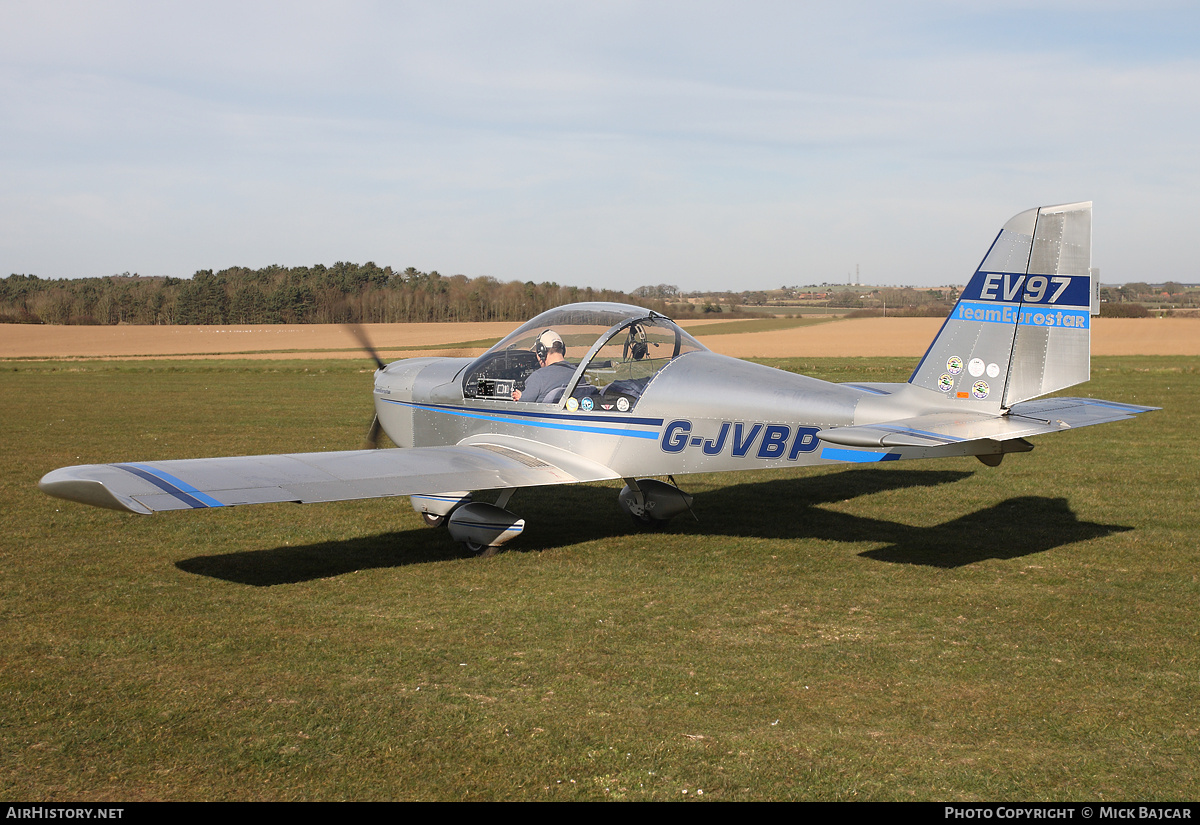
{"x":1026,"y":419}
{"x":145,"y":487}
{"x":1075,"y":412}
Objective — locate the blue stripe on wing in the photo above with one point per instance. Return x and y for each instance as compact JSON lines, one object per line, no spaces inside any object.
{"x":166,"y":482}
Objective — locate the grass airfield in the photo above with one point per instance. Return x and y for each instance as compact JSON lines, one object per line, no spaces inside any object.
{"x":924,"y":631}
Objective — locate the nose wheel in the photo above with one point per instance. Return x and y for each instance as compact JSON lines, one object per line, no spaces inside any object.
{"x":482,"y":528}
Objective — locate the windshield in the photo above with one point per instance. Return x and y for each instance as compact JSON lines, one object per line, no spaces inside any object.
{"x":620,"y":348}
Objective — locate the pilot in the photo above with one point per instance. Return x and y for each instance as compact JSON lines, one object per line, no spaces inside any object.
{"x":546,"y":383}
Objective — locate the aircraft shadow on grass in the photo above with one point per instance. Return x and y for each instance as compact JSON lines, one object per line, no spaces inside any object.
{"x":779,"y":509}
{"x":1011,"y":528}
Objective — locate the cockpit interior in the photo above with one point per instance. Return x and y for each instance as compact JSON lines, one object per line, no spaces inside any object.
{"x":616,"y":351}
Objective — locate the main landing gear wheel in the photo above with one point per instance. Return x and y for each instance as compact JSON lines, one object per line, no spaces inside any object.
{"x":651,"y":503}
{"x":432,"y":520}
{"x":647,"y":524}
{"x":483,"y":551}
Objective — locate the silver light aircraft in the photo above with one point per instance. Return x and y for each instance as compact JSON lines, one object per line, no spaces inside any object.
{"x":638,"y":397}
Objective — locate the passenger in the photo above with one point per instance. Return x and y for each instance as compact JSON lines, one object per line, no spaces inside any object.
{"x":553,"y":375}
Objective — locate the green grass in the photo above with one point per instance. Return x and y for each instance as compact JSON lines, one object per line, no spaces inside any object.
{"x":935,"y":630}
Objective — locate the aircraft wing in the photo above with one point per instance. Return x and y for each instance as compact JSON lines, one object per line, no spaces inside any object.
{"x":150,"y":486}
{"x":1028,"y":418}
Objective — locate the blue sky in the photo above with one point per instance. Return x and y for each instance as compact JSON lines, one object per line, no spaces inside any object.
{"x":707,"y":145}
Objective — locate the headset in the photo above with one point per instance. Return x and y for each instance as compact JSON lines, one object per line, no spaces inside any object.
{"x":635,"y":344}
{"x":548,"y":342}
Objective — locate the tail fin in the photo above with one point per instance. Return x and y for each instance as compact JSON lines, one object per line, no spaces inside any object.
{"x":1022,"y":326}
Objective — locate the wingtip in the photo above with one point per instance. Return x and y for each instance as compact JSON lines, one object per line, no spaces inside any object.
{"x":71,"y":484}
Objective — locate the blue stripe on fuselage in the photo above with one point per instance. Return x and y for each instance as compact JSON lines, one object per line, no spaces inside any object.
{"x":522,"y":418}
{"x":856,"y":456}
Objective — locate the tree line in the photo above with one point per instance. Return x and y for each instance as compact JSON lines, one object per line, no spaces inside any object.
{"x":342,"y":293}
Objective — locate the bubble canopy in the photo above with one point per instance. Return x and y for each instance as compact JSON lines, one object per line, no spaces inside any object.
{"x":615,"y":349}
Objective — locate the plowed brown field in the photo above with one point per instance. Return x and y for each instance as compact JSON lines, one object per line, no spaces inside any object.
{"x":912,"y":336}
{"x":853,"y":337}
